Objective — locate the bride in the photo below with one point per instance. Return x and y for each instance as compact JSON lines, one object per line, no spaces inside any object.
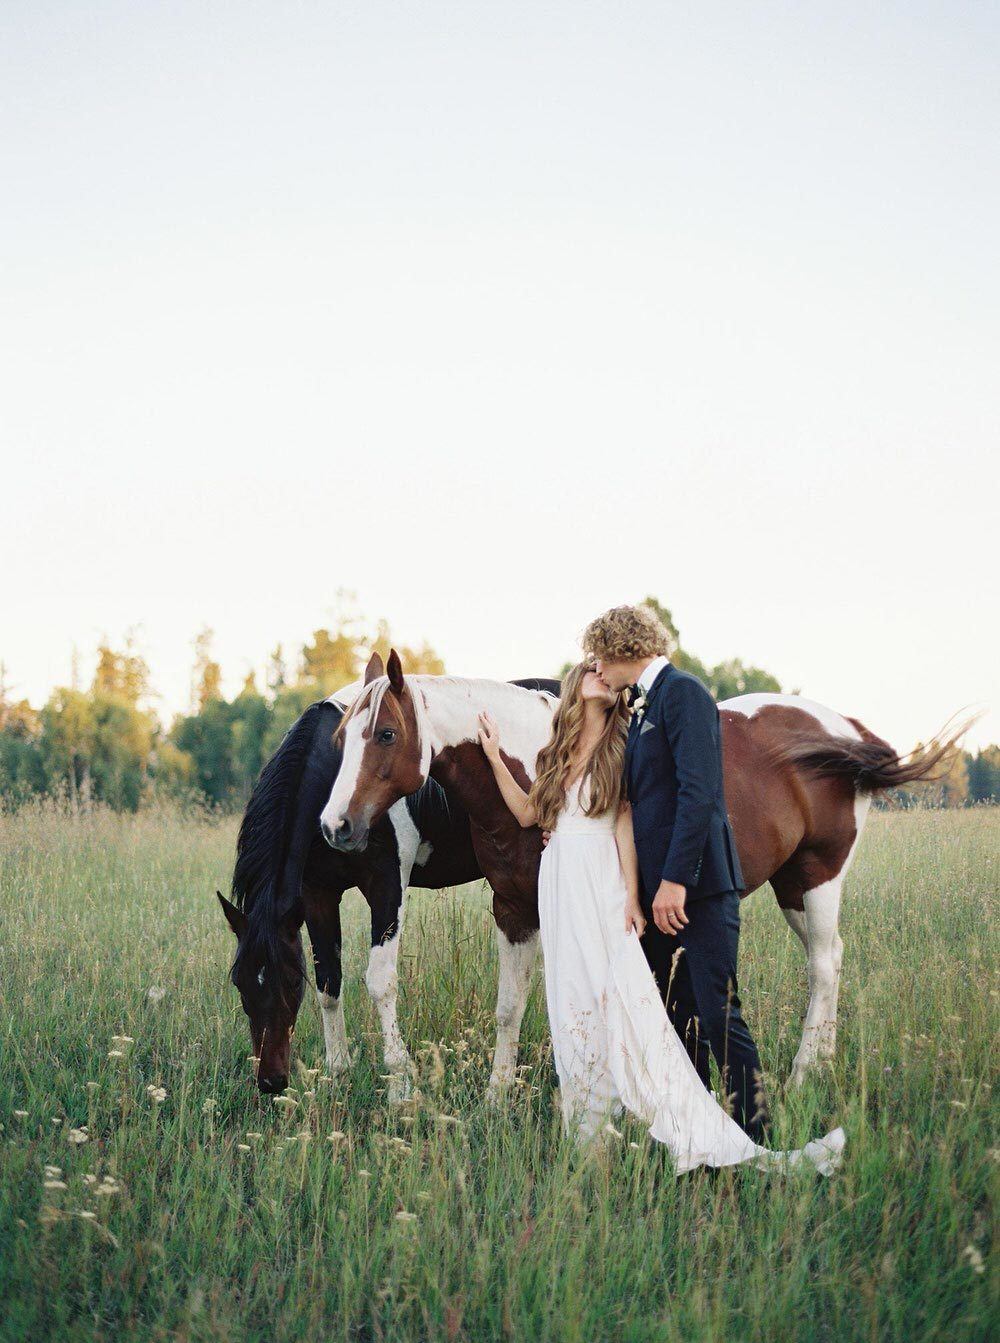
{"x":613,"y":1043}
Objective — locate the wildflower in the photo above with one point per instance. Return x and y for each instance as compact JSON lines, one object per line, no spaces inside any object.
{"x":404,"y":1216}
{"x":242,"y":1147}
{"x":122,"y":1040}
{"x":448,"y":1119}
{"x":91,"y":1086}
{"x":959,"y":1105}
{"x":255,"y":1137}
{"x":156,"y":994}
{"x":56,"y":1120}
{"x":975,"y":1259}
{"x":209,"y":1105}
{"x":53,"y":1172}
{"x":78,"y":1136}
{"x":612,"y":1132}
{"x":20,"y":1114}
{"x":365,"y":1174}
{"x":289,"y":1102}
{"x":109,"y":1185}
{"x":86,"y":1215}
{"x":89,"y":1179}
{"x":115,"y":1054}
{"x":335,"y":1137}
{"x":634,"y":1146}
{"x":157,"y":1094}
{"x":54,"y":1184}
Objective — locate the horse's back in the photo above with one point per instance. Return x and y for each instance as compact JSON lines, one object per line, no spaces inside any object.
{"x":776,"y":810}
{"x":800,"y":712}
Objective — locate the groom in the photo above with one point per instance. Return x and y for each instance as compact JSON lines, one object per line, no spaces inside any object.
{"x":689,"y":871}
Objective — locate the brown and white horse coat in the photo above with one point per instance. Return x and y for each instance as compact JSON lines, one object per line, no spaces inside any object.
{"x":798,"y":781}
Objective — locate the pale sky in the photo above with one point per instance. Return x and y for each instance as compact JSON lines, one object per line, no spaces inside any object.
{"x":499,"y":315}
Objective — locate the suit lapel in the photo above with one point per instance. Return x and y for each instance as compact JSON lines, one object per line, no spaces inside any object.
{"x":635,"y":727}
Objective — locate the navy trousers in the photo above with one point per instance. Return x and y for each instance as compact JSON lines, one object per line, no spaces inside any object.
{"x":700,"y":990}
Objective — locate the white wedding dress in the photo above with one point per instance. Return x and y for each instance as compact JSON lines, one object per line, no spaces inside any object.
{"x":614,"y":1044}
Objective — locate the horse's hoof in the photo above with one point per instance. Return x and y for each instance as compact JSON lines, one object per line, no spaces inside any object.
{"x":498,"y":1088}
{"x":400,"y":1088}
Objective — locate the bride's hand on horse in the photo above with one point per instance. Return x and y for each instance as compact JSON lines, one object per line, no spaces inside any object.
{"x":489,"y":735}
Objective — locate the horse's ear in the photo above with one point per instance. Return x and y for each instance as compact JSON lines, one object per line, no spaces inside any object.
{"x":375,"y":669}
{"x":394,"y":671}
{"x":236,"y":919}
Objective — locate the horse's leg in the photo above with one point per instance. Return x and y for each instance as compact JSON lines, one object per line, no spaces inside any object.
{"x":322,"y":910}
{"x":517,"y":960}
{"x":382,"y":980}
{"x":389,"y":878}
{"x":825,"y":952}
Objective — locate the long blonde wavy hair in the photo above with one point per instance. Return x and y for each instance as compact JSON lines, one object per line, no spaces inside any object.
{"x":605,"y":768}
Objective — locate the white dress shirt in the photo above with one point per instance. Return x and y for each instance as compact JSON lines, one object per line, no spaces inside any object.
{"x":651,"y":673}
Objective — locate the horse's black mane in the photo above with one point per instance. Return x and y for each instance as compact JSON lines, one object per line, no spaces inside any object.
{"x":265,"y":837}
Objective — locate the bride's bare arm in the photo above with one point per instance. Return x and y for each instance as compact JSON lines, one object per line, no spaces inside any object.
{"x":625,"y":839}
{"x":510,"y":790}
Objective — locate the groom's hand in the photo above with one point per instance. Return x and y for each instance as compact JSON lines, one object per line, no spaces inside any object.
{"x":668,"y":907}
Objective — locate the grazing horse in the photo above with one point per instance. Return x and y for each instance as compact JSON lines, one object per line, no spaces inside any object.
{"x":799,"y":779}
{"x":286,"y":875}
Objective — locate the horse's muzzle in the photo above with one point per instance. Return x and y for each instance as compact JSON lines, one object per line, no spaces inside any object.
{"x":346,"y":837}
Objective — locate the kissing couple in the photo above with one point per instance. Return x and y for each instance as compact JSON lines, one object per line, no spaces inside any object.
{"x":638,"y":897}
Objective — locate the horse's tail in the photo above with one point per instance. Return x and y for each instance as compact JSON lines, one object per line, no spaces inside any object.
{"x":871,"y":763}
{"x":262,"y":885}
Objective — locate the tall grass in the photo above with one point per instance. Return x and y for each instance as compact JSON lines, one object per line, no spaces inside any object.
{"x":217,"y":1214}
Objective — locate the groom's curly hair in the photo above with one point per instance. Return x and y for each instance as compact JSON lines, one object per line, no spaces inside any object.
{"x":626,"y":633}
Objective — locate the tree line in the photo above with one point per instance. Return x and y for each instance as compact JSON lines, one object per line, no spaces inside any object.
{"x":104,"y":743}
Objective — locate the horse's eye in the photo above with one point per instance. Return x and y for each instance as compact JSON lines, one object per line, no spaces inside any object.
{"x":260,"y":977}
{"x":387,"y":736}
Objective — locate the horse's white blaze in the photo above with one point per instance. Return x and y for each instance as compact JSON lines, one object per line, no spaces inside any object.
{"x":338,"y":1054}
{"x":824,"y":950}
{"x":343,"y":785}
{"x":834,"y":722}
{"x":517,"y":960}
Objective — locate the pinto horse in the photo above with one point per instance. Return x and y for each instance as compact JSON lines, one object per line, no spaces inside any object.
{"x":286,"y":875}
{"x":799,"y":780}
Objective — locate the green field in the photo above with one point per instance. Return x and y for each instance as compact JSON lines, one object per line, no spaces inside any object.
{"x":218,"y":1214}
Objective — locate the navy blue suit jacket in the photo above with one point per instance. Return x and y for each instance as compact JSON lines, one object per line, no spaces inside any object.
{"x":673,"y":770}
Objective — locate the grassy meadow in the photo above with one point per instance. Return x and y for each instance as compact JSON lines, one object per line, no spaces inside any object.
{"x":148,"y":1192}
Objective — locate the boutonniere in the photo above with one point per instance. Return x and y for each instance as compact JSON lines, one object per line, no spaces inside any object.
{"x":639,"y":706}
